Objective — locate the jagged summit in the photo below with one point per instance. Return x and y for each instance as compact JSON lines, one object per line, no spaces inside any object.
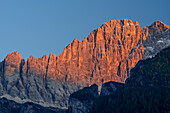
{"x":113,"y":27}
{"x":113,"y":43}
{"x":14,"y":54}
{"x":117,"y":43}
{"x":107,"y":54}
{"x":113,"y":24}
{"x":122,"y":21}
{"x":160,"y":24}
{"x":12,"y":63}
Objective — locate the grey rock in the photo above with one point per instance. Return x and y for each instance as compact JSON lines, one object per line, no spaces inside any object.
{"x":110,"y":87}
{"x":9,"y":106}
{"x":82,"y":100}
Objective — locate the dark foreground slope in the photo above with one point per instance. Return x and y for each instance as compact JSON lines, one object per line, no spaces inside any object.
{"x":10,"y":106}
{"x":146,"y":91}
{"x":82,"y":100}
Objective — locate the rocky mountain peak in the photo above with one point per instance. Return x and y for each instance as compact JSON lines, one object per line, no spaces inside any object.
{"x":107,"y":54}
{"x":52,"y":57}
{"x":30,"y":58}
{"x":85,"y":40}
{"x":160,"y":25}
{"x":157,"y":38}
{"x":156,"y":27}
{"x":12,"y":63}
{"x":13,"y":56}
{"x":115,"y":29}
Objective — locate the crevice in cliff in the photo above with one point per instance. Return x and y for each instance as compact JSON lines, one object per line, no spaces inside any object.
{"x":45,"y":77}
{"x":21,"y":71}
{"x":26,"y":86}
{"x":94,"y":41}
{"x":38,"y":89}
{"x":118,"y":70}
{"x":27,"y":68}
{"x":4,"y":81}
{"x":53,"y":97}
{"x":3,"y":76}
{"x":45,"y":81}
{"x":128,"y":69}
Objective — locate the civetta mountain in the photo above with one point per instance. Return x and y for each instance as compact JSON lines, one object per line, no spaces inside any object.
{"x":107,"y":54}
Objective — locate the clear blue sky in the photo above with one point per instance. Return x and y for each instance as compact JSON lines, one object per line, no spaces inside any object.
{"x":39,"y":27}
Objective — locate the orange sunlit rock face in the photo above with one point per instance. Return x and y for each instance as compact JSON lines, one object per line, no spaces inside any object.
{"x":104,"y":55}
{"x":35,"y":66}
{"x":107,"y":54}
{"x":12,"y":64}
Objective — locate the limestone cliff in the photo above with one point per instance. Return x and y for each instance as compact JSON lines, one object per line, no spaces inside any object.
{"x":107,"y":54}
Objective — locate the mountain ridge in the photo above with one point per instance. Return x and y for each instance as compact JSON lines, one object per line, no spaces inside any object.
{"x":85,"y":38}
{"x":107,"y":54}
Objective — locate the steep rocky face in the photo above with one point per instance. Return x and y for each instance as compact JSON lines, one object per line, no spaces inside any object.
{"x":158,"y":37}
{"x":10,"y":73}
{"x":1,"y":74}
{"x":82,"y":100}
{"x":110,"y":87}
{"x":104,"y":55}
{"x":30,"y":80}
{"x":107,"y":54}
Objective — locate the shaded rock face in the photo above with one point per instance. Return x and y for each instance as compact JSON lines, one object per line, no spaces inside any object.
{"x":158,"y":38}
{"x":110,"y":87}
{"x":82,"y":100}
{"x":107,"y":54}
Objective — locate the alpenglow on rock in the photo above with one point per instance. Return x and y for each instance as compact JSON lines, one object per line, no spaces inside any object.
{"x":107,"y":54}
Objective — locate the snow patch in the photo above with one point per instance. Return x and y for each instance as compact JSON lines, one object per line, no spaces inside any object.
{"x":168,"y":41}
{"x":151,"y":56}
{"x":166,"y":30}
{"x":150,"y":48}
{"x":160,"y":41}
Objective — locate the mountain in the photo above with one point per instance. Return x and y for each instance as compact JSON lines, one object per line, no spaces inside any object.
{"x":107,"y":54}
{"x":146,"y":91}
